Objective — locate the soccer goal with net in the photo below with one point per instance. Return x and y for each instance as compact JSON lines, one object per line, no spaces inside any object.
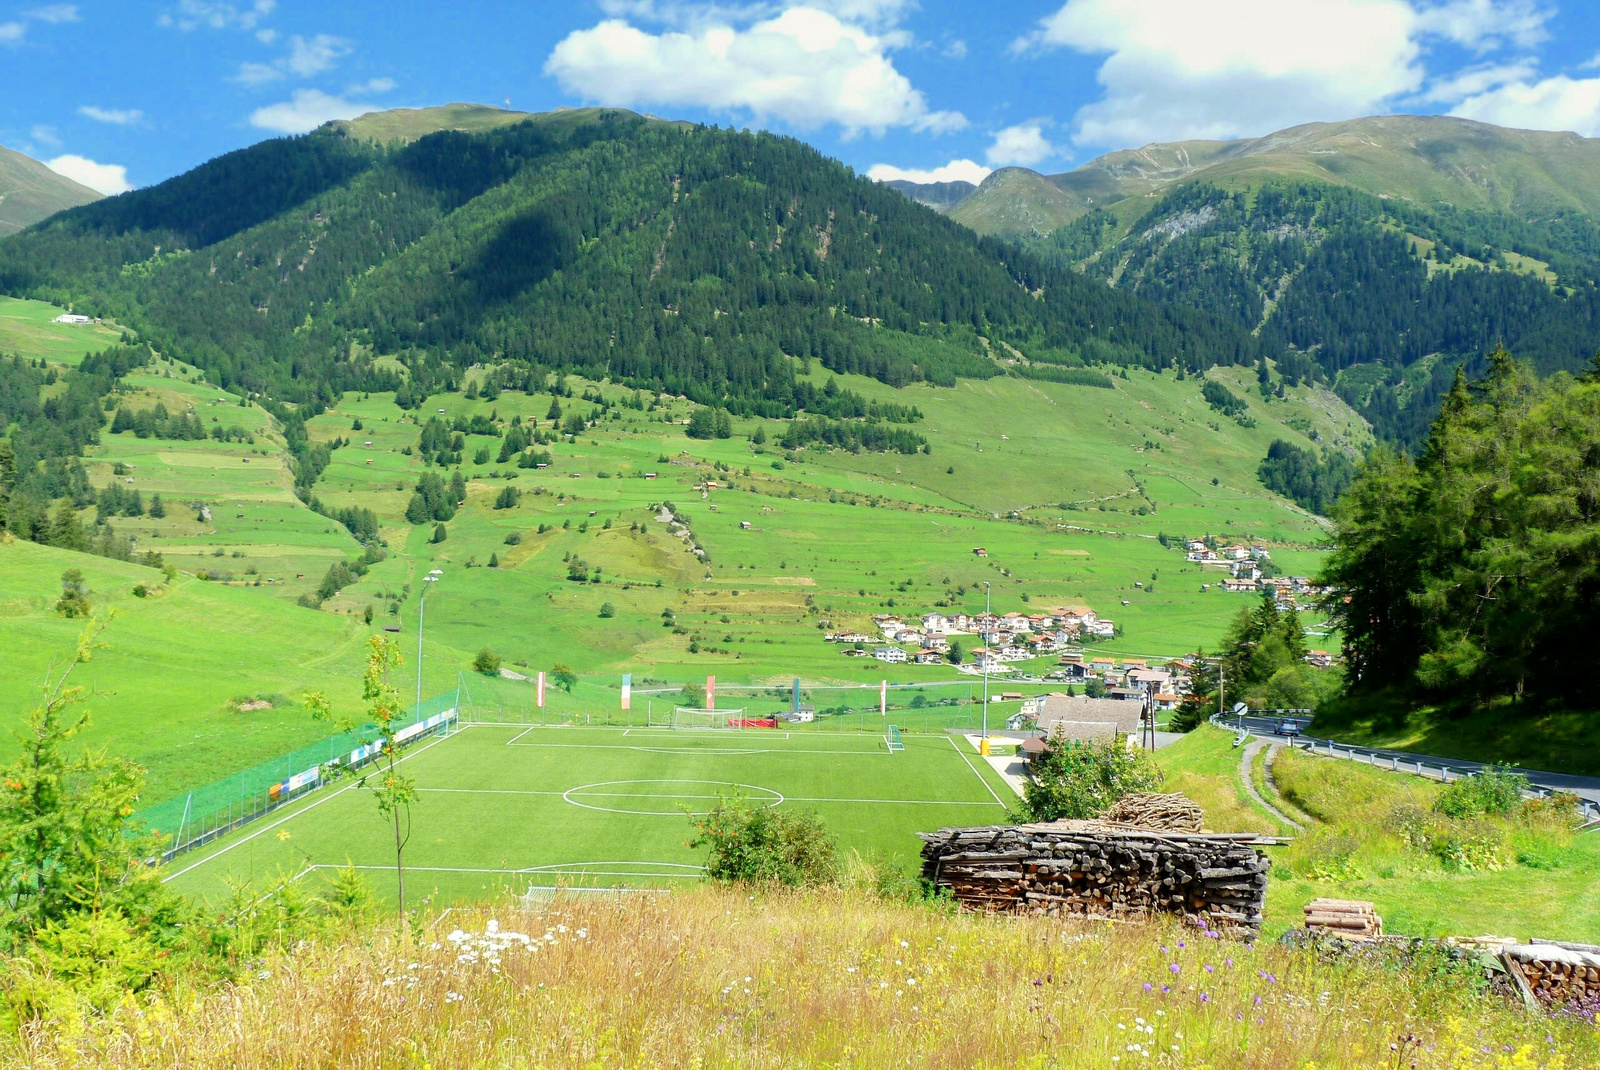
{"x":893,"y":740}
{"x":696,"y":717}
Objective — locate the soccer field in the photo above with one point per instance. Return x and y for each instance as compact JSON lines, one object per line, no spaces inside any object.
{"x":506,"y":807}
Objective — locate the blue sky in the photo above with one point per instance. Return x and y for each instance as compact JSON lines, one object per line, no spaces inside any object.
{"x":125,"y":94}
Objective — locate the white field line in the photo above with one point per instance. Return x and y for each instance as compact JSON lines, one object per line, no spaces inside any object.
{"x":287,"y":817}
{"x":636,"y":795}
{"x":974,"y":770}
{"x":874,"y":753}
{"x":549,"y":871}
{"x":520,"y":734}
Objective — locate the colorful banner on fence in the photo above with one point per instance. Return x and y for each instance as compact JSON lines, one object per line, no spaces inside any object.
{"x":711,"y":692}
{"x":883,"y":698}
{"x":627,"y":689}
{"x":538,"y":692}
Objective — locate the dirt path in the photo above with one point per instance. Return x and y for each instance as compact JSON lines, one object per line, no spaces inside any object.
{"x":1246,"y":760}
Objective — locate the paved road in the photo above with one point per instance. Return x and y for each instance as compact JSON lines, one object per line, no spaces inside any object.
{"x":1584,"y":787}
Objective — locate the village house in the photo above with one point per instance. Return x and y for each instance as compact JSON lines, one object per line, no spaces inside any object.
{"x":1070,"y":717}
{"x":1236,"y":552}
{"x":1105,"y":629}
{"x":1195,"y":545}
{"x":935,"y":623}
{"x":927,"y":656}
{"x":1238,"y":584}
{"x":891,"y":654}
{"x":1320,"y":658}
{"x":938,"y":643}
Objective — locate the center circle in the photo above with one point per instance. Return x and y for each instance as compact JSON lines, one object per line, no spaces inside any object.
{"x":669,"y":797}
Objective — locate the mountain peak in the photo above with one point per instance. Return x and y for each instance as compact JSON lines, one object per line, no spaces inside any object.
{"x":30,"y":191}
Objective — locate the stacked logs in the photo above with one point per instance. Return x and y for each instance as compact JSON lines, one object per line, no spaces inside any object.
{"x":1352,"y":919}
{"x":1098,"y":870}
{"x":1559,"y":974}
{"x":1150,"y":810}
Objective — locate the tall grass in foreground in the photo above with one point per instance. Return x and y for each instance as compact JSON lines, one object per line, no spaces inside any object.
{"x":714,"y":978}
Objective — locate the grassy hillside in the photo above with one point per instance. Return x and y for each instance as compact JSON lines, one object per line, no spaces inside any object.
{"x":30,"y":191}
{"x":1015,"y":201}
{"x":174,"y":661}
{"x":26,"y":327}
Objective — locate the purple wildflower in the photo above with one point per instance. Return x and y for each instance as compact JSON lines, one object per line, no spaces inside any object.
{"x":1174,"y":967}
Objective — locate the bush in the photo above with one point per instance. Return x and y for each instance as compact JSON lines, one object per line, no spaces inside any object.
{"x":1082,"y":779}
{"x":608,"y":610}
{"x":1496,"y":790}
{"x":760,"y":845}
{"x":487,"y":662}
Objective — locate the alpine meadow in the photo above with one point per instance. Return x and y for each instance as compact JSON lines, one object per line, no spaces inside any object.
{"x":487,"y":588}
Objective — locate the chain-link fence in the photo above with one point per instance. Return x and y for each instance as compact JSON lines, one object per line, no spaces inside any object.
{"x":199,"y":816}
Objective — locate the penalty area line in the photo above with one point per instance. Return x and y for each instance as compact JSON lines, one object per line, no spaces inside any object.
{"x":975,"y":772}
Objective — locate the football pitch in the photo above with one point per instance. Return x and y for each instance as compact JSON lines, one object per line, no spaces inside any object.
{"x":508,"y":807}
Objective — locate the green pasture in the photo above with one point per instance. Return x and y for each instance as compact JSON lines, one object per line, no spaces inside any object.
{"x":1353,"y":847}
{"x":160,"y":690}
{"x":506,"y":807}
{"x":26,"y":328}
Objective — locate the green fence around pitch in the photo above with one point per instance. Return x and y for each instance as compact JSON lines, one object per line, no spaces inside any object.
{"x":201,"y":815}
{"x":912,"y":707}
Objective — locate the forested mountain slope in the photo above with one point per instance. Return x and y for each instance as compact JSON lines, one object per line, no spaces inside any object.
{"x":710,"y":263}
{"x":30,"y":191}
{"x":1379,"y":254}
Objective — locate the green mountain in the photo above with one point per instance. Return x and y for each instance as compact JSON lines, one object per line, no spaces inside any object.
{"x":1427,"y":160}
{"x":1377,"y":254}
{"x":940,"y":196}
{"x":710,"y":263}
{"x":30,"y":191}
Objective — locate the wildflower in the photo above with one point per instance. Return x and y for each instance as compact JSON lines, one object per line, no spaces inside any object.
{"x":1205,"y":997}
{"x":1148,"y":986}
{"x":1174,"y":967}
{"x":1164,"y":990}
{"x":1209,"y":968}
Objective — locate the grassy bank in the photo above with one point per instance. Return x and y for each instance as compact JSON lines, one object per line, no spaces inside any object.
{"x":718,"y":978}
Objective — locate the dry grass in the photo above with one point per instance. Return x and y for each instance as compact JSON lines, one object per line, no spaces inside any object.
{"x":716,"y":978}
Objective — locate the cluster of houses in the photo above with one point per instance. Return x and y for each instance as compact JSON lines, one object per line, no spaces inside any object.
{"x":1127,"y":679}
{"x":1243,"y":565}
{"x":1006,"y":638}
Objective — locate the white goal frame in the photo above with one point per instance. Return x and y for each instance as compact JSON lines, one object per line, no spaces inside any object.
{"x":698,"y":717}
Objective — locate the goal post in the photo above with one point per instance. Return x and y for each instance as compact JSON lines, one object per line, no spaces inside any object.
{"x":700,"y":717}
{"x":893,"y":740}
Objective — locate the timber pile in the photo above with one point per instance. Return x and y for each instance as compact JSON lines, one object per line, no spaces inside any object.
{"x":1098,"y":870}
{"x":1560,"y":974}
{"x":1151,"y":810}
{"x":1353,"y":919}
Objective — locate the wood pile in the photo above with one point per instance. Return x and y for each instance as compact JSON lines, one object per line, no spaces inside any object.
{"x":1352,"y":919}
{"x":1151,"y":810}
{"x":1558,"y":974}
{"x":1094,"y":869}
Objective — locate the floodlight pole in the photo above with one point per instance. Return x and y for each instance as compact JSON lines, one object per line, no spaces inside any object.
{"x":422,"y":603}
{"x":988,"y":655}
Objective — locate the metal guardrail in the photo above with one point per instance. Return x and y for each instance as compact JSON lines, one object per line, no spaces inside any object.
{"x":1440,"y":769}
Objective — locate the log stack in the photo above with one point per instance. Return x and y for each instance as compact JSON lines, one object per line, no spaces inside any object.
{"x":1100,"y":870}
{"x":1352,"y":919}
{"x":1558,"y":974}
{"x":1151,"y":810}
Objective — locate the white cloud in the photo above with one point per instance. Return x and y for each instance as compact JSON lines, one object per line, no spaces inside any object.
{"x":208,"y":15}
{"x":55,"y":13}
{"x":115,"y":116}
{"x":320,"y":53}
{"x":1485,"y":25}
{"x":306,"y":110}
{"x":12,"y":32}
{"x":107,"y":178}
{"x":1558,"y":103}
{"x":1175,"y":69}
{"x":954,"y":171}
{"x":1023,"y":145}
{"x":373,"y":86}
{"x":252,"y":73}
{"x":45,"y":135}
{"x":267,"y":36}
{"x":305,"y":59}
{"x":804,"y":67}
{"x":1474,"y":80}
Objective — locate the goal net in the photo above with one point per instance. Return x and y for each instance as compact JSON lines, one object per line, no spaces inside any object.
{"x":696,"y":717}
{"x":893,"y":740}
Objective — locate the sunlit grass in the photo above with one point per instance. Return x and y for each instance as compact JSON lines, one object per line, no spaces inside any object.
{"x":718,"y":978}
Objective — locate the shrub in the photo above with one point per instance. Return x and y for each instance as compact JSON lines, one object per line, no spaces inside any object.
{"x":760,"y":845}
{"x":1082,"y":779}
{"x":1496,"y":790}
{"x":487,"y":662}
{"x":608,"y":610}
{"x":74,"y":600}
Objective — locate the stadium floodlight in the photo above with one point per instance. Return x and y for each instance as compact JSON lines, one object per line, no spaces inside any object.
{"x":431,"y":577}
{"x":988,"y":655}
